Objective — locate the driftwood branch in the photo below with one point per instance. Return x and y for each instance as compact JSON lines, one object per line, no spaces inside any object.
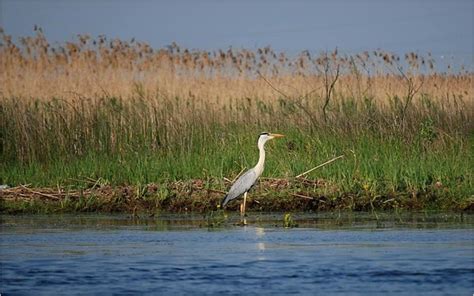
{"x":40,"y":193}
{"x":302,"y":196}
{"x":319,"y":166}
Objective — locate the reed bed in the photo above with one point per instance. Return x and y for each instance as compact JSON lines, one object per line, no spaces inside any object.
{"x":124,"y":111}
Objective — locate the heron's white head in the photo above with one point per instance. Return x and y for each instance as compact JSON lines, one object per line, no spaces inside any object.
{"x":264,"y":137}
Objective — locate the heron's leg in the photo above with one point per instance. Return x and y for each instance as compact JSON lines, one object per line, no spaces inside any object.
{"x":242,"y":210}
{"x":242,"y":205}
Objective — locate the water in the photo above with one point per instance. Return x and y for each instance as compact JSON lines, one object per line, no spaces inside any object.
{"x":331,"y":254}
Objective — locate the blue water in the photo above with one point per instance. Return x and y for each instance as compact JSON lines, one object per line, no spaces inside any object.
{"x":181,"y":256}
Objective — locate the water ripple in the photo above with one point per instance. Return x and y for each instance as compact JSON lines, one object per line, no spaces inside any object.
{"x":238,"y":261}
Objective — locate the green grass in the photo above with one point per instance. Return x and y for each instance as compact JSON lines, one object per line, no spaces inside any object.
{"x":50,"y":144}
{"x":377,"y":164}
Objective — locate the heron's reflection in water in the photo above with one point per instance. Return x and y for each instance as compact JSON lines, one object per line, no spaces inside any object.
{"x":260,"y":233}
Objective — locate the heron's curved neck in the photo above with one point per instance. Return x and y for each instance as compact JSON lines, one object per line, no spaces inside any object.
{"x":261,"y":159}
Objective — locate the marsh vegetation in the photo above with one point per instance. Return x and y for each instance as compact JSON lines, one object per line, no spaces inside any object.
{"x":100,"y":113}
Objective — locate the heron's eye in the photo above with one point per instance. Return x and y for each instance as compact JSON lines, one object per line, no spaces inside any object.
{"x":263,"y":134}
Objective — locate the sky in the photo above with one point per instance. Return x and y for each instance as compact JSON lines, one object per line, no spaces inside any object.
{"x":442,"y":27}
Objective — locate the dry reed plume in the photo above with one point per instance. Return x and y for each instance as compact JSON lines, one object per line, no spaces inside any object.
{"x":114,"y":95}
{"x":94,"y":67}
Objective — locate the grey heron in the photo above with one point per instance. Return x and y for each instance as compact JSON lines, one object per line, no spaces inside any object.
{"x":245,"y":182}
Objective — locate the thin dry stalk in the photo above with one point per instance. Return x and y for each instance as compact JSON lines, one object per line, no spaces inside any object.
{"x":319,"y":166}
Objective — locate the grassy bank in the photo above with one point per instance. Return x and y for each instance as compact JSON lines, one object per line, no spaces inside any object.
{"x":375,"y":173}
{"x":117,"y":126}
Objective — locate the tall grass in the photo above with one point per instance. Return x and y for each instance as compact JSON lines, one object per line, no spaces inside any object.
{"x":133,"y":114}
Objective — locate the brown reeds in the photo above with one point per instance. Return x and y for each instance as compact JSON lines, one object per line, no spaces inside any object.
{"x":93,"y":67}
{"x":113,"y":95}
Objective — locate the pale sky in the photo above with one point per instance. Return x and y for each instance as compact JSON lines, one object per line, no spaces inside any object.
{"x":441,"y":26}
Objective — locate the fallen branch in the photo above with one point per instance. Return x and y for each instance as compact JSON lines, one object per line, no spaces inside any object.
{"x":12,"y":189}
{"x":40,"y":193}
{"x":303,"y":196}
{"x":321,"y":165}
{"x":216,"y":191}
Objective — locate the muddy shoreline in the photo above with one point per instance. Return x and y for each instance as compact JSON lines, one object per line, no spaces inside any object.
{"x":280,"y":195}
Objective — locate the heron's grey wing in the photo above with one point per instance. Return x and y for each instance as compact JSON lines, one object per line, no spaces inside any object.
{"x":242,"y":185}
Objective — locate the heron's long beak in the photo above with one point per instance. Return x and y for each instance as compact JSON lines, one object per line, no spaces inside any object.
{"x":277,"y":135}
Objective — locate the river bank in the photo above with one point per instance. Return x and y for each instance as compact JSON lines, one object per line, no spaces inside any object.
{"x":280,"y":195}
{"x":175,"y":138}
